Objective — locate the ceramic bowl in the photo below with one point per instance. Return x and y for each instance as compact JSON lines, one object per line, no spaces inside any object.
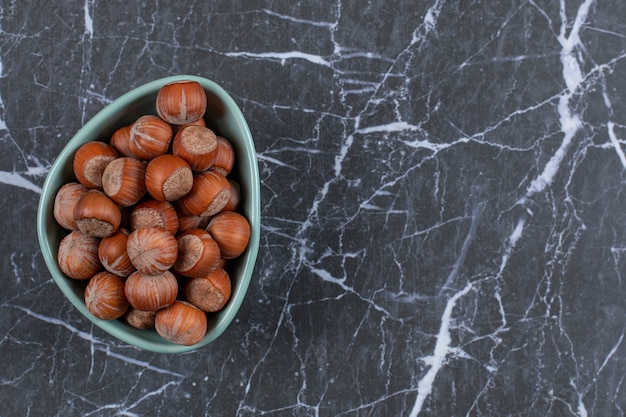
{"x":226,"y":119}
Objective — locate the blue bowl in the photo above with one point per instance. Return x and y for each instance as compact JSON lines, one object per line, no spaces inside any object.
{"x":225,"y":118}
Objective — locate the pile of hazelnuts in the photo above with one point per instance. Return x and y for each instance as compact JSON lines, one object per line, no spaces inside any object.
{"x":153,"y":219}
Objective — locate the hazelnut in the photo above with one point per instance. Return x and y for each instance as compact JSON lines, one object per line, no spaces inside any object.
{"x":231,"y":231}
{"x":140,"y":319}
{"x":96,"y":214}
{"x":225,"y":156}
{"x":151,"y":292}
{"x":190,"y":221}
{"x":78,"y":255}
{"x":209,"y":293}
{"x":90,"y":161}
{"x":64,"y":203}
{"x":120,"y":140}
{"x":181,"y":323}
{"x":113,"y":254}
{"x":104,"y":296}
{"x":235,"y":196}
{"x":181,"y":209}
{"x":199,"y":122}
{"x":181,"y":102}
{"x":150,"y":137}
{"x":123,"y":180}
{"x":198,"y":253}
{"x":168,"y":177}
{"x":209,"y":194}
{"x":154,"y":213}
{"x":152,"y":250}
{"x":197,"y":145}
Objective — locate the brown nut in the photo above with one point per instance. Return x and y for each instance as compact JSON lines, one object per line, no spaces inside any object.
{"x":235,"y":196}
{"x":78,"y":255}
{"x":209,"y":293}
{"x":152,"y":250}
{"x":181,"y":323}
{"x":197,"y":145}
{"x":96,"y":214}
{"x":120,"y":140}
{"x":113,"y":254}
{"x":231,"y":231}
{"x":140,"y":319}
{"x":168,"y":177}
{"x":181,"y":102}
{"x":150,"y":137}
{"x":90,"y":161}
{"x":198,"y":253}
{"x":123,"y":180}
{"x":225,"y":156}
{"x":104,"y":296}
{"x":64,"y":203}
{"x":209,"y":194}
{"x":154,"y":213}
{"x":199,"y":122}
{"x":190,"y":221}
{"x":151,"y":292}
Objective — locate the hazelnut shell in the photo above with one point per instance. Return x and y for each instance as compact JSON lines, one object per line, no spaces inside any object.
{"x":197,"y":145}
{"x":64,"y":203}
{"x":181,"y":323}
{"x":209,"y":293}
{"x":120,"y":140}
{"x":225,"y":159}
{"x":235,"y":196}
{"x":168,"y":177}
{"x":151,"y":292}
{"x":123,"y":180}
{"x":104,"y":296}
{"x":209,"y":194}
{"x":154,"y":213}
{"x":89,"y":163}
{"x":199,"y":122}
{"x":78,"y":255}
{"x":198,"y":253}
{"x":96,"y":214}
{"x":140,"y":319}
{"x":150,"y":137}
{"x":152,"y":250}
{"x":113,"y":254}
{"x":181,"y":102}
{"x":231,"y":231}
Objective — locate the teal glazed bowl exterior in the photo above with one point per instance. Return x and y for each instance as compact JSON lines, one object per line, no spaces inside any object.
{"x":226,"y":119}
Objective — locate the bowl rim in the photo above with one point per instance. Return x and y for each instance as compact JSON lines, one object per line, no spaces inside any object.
{"x":48,"y":193}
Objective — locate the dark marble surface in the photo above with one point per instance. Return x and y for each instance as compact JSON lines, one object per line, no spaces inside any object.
{"x":443,"y":202}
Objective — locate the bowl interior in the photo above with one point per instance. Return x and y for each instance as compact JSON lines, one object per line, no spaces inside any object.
{"x":225,"y":118}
